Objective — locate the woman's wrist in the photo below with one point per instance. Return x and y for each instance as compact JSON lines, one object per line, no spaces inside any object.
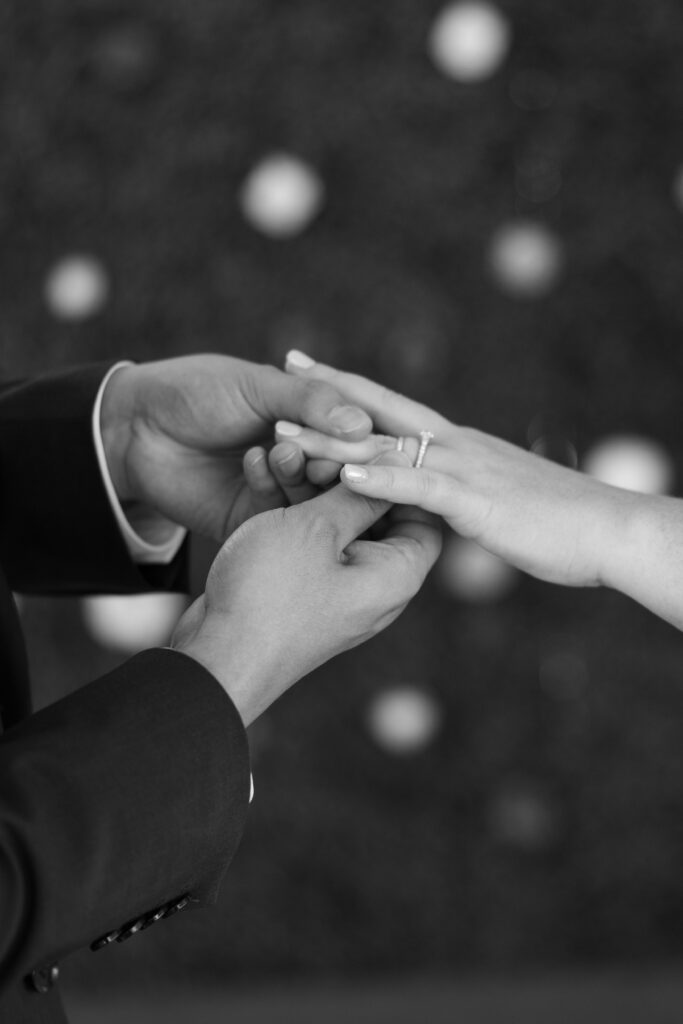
{"x":624,"y":533}
{"x":651,"y":567}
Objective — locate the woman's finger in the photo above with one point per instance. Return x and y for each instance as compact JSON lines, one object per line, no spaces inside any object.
{"x":328,"y":454}
{"x":316,"y":445}
{"x":391,"y":413}
{"x":427,"y":489}
{"x":264,"y":488}
{"x":287,"y":463}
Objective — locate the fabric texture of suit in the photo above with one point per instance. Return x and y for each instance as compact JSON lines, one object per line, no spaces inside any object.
{"x":126,"y":800}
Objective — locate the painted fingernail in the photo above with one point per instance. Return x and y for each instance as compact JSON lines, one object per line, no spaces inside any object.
{"x":299,"y":359}
{"x":287,"y":429}
{"x":346,"y":419}
{"x":357,"y":474}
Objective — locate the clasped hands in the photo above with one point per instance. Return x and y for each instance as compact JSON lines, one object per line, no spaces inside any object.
{"x":293,"y":586}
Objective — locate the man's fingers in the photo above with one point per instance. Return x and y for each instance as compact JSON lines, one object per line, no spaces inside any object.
{"x":348,"y":514}
{"x":316,"y":403}
{"x":415,"y":540}
{"x":333,"y":451}
{"x":317,"y":445}
{"x":322,"y":472}
{"x":418,"y":535}
{"x":287,"y":463}
{"x":265,"y":490}
{"x":391,"y":413}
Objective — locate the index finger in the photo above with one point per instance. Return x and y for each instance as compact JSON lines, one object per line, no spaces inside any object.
{"x":391,"y":413}
{"x":416,"y":538}
{"x":345,"y":515}
{"x":312,"y":401}
{"x":348,"y":513}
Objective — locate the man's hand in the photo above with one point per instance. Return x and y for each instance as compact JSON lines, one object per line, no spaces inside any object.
{"x":294,"y":587}
{"x":176,"y":432}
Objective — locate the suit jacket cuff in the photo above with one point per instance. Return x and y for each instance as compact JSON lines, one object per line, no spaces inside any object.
{"x":58,"y":532}
{"x":127,"y":794}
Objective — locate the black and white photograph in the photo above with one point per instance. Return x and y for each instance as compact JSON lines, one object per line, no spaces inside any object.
{"x":341,"y":512}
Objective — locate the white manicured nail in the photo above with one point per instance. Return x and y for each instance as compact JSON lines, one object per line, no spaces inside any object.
{"x":356,"y":474}
{"x":286,"y":429}
{"x":299,"y":359}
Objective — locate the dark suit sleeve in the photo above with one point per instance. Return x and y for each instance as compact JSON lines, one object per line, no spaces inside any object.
{"x":115,"y":802}
{"x":57,"y":530}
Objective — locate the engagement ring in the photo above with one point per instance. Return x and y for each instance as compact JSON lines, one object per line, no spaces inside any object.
{"x":425,"y":437}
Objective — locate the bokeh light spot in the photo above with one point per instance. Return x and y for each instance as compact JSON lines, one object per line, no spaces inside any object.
{"x":471,"y":573}
{"x":77,"y":287}
{"x":134,"y":622}
{"x":281,"y":196}
{"x":523,"y":817}
{"x":526,"y":259}
{"x":469,"y":41}
{"x":551,"y":437}
{"x":634,"y":463}
{"x":404,"y":719}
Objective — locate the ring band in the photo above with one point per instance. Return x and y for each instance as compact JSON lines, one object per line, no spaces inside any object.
{"x":425,"y":437}
{"x":400,"y":442}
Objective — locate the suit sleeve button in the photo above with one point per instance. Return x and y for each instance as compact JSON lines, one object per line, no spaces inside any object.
{"x":131,"y":929}
{"x":42,"y":979}
{"x":155,"y":916}
{"x":106,"y":940}
{"x":176,"y":906}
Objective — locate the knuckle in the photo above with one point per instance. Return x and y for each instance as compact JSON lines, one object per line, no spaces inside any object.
{"x":255,"y":384}
{"x":320,"y":529}
{"x":375,"y":506}
{"x":321,"y":472}
{"x":426,"y":484}
{"x":269,"y":524}
{"x":385,"y":475}
{"x":315,"y":393}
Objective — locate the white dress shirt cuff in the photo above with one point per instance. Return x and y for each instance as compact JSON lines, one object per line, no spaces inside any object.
{"x":150,"y":538}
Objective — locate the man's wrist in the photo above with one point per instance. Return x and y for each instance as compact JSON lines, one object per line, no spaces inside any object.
{"x":214,"y":661}
{"x":238,"y":663}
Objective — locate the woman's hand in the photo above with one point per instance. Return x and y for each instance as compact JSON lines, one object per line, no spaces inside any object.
{"x":554,"y":523}
{"x":292,"y":588}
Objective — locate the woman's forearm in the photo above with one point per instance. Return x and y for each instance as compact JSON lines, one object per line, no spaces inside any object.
{"x":648,"y":563}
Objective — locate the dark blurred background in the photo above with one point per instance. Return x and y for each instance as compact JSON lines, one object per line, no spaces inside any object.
{"x":480,"y":206}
